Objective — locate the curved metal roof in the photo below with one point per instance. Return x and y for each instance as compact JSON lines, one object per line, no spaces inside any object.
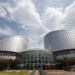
{"x":14,"y":36}
{"x":13,"y":43}
{"x":34,"y":49}
{"x":57,"y":31}
{"x":59,"y":40}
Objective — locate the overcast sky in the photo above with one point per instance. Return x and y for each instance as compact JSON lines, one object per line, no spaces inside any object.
{"x":35,"y":18}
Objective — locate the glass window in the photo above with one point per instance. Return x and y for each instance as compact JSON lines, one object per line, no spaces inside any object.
{"x":27,"y":58}
{"x":39,"y":55}
{"x":12,"y":54}
{"x":73,"y":51}
{"x":27,"y":55}
{"x":63,"y":52}
{"x":58,"y":53}
{"x":69,"y":52}
{"x":7,"y":54}
{"x":0,"y":53}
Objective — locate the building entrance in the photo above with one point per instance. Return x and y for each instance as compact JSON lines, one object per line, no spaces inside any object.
{"x":47,"y":67}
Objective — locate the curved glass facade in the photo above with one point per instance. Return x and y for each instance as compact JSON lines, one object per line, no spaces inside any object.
{"x":34,"y":59}
{"x":64,"y":52}
{"x":67,"y":56}
{"x":7,"y":57}
{"x":62,"y":43}
{"x":7,"y":54}
{"x":9,"y":47}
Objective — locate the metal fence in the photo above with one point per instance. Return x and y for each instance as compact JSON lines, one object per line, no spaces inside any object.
{"x":32,"y":72}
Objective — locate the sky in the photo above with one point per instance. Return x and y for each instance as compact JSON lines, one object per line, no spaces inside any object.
{"x":33,"y":19}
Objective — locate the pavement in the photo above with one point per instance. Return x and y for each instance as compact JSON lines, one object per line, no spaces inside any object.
{"x":37,"y":72}
{"x":59,"y":72}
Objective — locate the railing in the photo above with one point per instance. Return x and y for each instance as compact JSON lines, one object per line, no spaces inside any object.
{"x":32,"y":72}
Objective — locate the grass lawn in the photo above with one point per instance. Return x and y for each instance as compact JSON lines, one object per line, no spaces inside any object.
{"x":12,"y":73}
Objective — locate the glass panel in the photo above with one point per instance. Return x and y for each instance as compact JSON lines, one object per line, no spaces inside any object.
{"x":63,"y":52}
{"x":12,"y":54}
{"x":34,"y":57}
{"x":69,"y":52}
{"x":73,"y":51}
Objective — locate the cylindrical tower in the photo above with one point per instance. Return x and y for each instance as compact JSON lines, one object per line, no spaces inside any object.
{"x":62,"y":43}
{"x":10,"y":46}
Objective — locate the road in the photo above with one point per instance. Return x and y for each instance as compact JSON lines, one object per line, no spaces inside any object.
{"x":37,"y":72}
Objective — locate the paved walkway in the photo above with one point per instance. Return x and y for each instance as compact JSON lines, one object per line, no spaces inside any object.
{"x":37,"y":72}
{"x":59,"y":72}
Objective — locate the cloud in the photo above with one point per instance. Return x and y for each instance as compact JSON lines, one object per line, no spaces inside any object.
{"x":34,"y":24}
{"x":52,"y":18}
{"x":69,"y":18}
{"x":35,"y":44}
{"x":24,"y":12}
{"x":26,"y":28}
{"x":3,"y":13}
{"x":6,"y":31}
{"x":57,"y":18}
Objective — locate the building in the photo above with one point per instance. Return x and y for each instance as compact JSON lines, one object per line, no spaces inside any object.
{"x":59,"y":52}
{"x":15,"y":55}
{"x":34,"y":59}
{"x":62,"y":44}
{"x":9,"y":47}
